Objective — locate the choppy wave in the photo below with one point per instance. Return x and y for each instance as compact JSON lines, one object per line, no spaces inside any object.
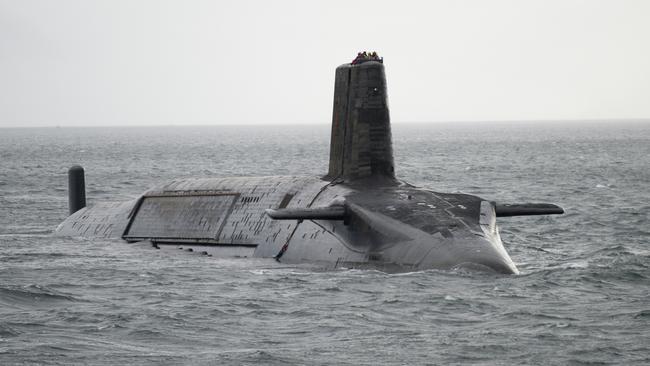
{"x":31,"y":295}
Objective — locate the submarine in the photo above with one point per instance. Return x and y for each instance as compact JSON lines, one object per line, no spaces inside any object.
{"x":358,"y":215}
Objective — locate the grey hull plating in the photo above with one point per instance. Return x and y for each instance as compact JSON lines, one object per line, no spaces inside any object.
{"x":358,"y":215}
{"x":392,"y":226}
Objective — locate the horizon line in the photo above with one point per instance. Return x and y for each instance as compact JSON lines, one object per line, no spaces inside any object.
{"x":249,"y":124}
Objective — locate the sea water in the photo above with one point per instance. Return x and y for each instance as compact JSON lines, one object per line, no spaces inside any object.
{"x":583,"y":295}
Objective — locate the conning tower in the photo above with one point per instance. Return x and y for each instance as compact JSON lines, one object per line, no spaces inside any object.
{"x":361,"y":143}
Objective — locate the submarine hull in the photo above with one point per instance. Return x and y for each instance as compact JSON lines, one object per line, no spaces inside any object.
{"x":391,"y":226}
{"x":358,"y":215}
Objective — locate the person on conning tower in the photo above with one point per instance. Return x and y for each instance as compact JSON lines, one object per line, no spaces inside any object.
{"x":365,"y":56}
{"x":357,"y":59}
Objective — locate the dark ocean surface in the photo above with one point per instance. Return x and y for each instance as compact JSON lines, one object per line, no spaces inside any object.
{"x":582,"y":298}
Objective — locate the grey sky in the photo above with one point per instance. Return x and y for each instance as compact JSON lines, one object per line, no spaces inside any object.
{"x":81,"y":62}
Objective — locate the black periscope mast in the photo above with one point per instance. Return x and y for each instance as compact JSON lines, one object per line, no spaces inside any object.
{"x":359,"y":215}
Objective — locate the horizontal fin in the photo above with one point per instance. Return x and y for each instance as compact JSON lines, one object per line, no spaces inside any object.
{"x":526,"y":209}
{"x":313,"y":213}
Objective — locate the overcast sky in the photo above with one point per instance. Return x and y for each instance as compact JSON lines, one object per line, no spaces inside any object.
{"x":83,"y":62}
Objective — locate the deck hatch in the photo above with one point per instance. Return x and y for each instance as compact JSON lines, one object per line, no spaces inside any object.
{"x":184,"y":217}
